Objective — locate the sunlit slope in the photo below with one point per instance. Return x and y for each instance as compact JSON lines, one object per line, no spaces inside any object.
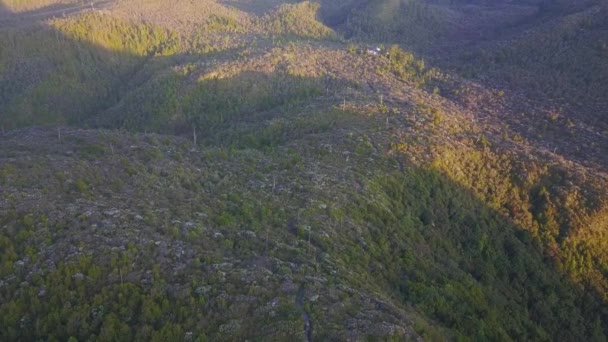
{"x":411,"y":22}
{"x":245,"y":242}
{"x":70,"y":70}
{"x":66,"y":74}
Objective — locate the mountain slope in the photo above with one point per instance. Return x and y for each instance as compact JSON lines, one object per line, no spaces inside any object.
{"x":230,"y":170}
{"x":228,"y":235}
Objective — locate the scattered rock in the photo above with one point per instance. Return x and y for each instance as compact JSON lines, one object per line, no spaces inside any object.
{"x":113,"y":212}
{"x":230,"y":328}
{"x":223,"y":266}
{"x":201,"y":290}
{"x":249,"y":234}
{"x":274,"y":302}
{"x":288,"y":287}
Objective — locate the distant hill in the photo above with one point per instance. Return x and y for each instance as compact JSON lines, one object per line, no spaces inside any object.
{"x":560,"y":56}
{"x":552,"y":51}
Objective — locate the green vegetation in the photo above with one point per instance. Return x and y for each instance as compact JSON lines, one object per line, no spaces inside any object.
{"x":118,"y":36}
{"x":546,"y":202}
{"x":436,"y":246}
{"x":407,"y":67}
{"x":242,"y":172}
{"x":212,"y":105}
{"x":411,"y":22}
{"x":562,"y":60}
{"x":79,"y":68}
{"x":429,"y":246}
{"x":297,"y":19}
{"x":87,"y":65}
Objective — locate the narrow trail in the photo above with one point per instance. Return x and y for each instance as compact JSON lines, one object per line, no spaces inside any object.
{"x":305,"y":315}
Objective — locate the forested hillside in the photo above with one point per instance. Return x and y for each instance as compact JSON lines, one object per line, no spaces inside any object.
{"x":270,"y":170}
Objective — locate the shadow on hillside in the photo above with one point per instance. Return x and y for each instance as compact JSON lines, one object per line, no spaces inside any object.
{"x":52,"y":78}
{"x":555,"y":103}
{"x":82,"y":80}
{"x":423,"y":242}
{"x":217,"y":107}
{"x":437,"y":246}
{"x":257,"y":7}
{"x":553,"y":72}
